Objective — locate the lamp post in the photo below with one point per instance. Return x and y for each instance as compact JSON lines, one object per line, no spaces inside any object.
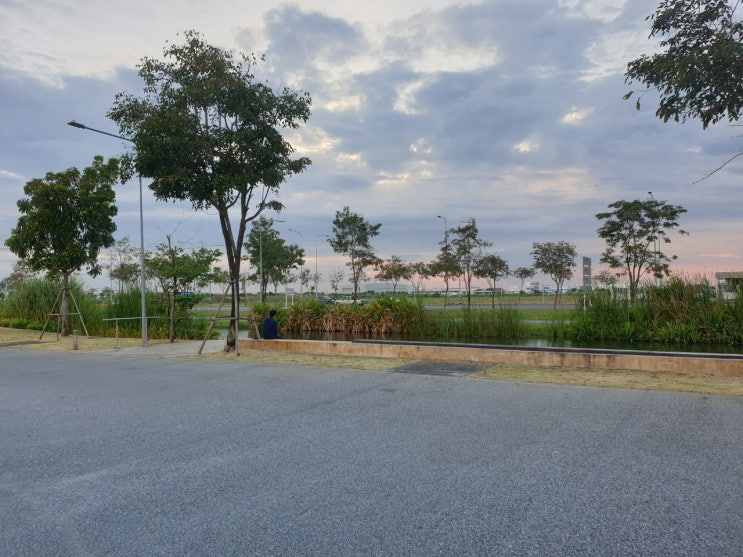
{"x":317,"y":281}
{"x":141,"y":232}
{"x":301,"y":267}
{"x":655,"y":240}
{"x":446,"y":230}
{"x":446,"y":272}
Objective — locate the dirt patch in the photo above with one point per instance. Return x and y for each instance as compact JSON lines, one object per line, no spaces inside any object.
{"x":22,"y":338}
{"x":303,"y":359}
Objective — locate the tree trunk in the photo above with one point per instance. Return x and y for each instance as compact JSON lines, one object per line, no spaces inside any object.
{"x":64,"y":306}
{"x":171,"y":311}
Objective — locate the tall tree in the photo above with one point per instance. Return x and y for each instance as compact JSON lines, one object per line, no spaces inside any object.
{"x":699,"y":70}
{"x":394,"y":270}
{"x":419,"y":272}
{"x":467,"y":248}
{"x":22,"y":273}
{"x":206,"y":131}
{"x":352,"y":235}
{"x":122,"y":266}
{"x":633,"y":232}
{"x":446,"y":265}
{"x":523,"y":273}
{"x":271,"y":258}
{"x":556,"y":260}
{"x":65,"y":221}
{"x":492,"y":268}
{"x":176,"y":271}
{"x":336,"y":277}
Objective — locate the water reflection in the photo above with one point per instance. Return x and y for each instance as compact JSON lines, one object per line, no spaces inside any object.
{"x":528,"y":343}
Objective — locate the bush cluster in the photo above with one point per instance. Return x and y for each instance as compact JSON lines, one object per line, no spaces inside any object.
{"x":679,"y":311}
{"x":29,"y":306}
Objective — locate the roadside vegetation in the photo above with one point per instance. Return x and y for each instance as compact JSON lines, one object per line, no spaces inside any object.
{"x":29,"y":307}
{"x":680,"y":312}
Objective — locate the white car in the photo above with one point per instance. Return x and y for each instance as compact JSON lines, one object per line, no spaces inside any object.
{"x":348,"y":300}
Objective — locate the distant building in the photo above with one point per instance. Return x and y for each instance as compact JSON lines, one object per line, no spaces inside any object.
{"x":729,"y":283}
{"x":383,"y":287}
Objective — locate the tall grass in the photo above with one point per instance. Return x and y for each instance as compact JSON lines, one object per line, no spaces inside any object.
{"x":382,"y":317}
{"x":606,"y":317}
{"x":30,"y":305}
{"x":503,"y":323}
{"x":681,"y":311}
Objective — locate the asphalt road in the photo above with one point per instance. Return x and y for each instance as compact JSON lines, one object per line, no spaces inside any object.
{"x":123,"y":453}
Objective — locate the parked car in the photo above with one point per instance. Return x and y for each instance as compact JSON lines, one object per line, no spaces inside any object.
{"x":326,"y":300}
{"x":348,"y":300}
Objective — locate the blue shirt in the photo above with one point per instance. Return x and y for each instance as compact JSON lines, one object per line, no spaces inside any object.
{"x":270,"y":328}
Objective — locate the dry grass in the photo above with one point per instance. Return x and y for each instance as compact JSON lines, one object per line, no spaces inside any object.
{"x":732,"y":386}
{"x":22,"y":338}
{"x":306,"y":359}
{"x":626,"y":379}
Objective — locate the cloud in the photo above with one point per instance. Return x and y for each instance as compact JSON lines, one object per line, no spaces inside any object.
{"x":509,"y":112}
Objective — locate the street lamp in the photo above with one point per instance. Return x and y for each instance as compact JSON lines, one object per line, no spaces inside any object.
{"x":446,"y":246}
{"x":446,"y":230}
{"x":141,"y":231}
{"x":655,"y":241}
{"x":301,"y":267}
{"x":316,"y":275}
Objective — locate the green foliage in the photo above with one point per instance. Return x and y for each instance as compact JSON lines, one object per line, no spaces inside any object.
{"x":602,"y":319}
{"x":394,"y":270}
{"x":352,"y":235}
{"x":466,"y":324}
{"x":260,"y":310}
{"x":265,"y":247}
{"x":680,"y":311}
{"x":32,"y":300}
{"x":31,"y":303}
{"x":176,"y":270}
{"x":383,"y":316}
{"x":446,"y":264}
{"x":492,"y":268}
{"x":556,"y":259}
{"x":206,"y":131}
{"x":633,"y":232}
{"x":697,"y":71}
{"x":467,"y":247}
{"x":391,"y":315}
{"x":523,"y":273}
{"x":128,"y":304}
{"x":66,"y":219}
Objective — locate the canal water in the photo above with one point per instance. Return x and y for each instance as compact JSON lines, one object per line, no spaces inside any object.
{"x":530,"y":343}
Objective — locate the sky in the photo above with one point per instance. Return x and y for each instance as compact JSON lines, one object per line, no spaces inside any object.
{"x":425,"y":113}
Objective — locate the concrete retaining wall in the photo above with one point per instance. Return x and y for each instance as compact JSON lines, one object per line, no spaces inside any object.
{"x":686,"y":363}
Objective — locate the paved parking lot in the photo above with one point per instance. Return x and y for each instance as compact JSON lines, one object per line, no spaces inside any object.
{"x":129,"y":453}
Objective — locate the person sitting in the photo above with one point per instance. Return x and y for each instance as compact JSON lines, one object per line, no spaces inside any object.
{"x":270,"y":327}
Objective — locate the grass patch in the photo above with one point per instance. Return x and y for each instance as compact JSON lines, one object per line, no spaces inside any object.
{"x":311,"y":360}
{"x":624,"y":379}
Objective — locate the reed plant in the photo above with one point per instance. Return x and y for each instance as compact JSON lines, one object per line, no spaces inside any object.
{"x":503,"y":323}
{"x":383,"y":316}
{"x":30,"y":305}
{"x":607,"y":316}
{"x":680,"y":311}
